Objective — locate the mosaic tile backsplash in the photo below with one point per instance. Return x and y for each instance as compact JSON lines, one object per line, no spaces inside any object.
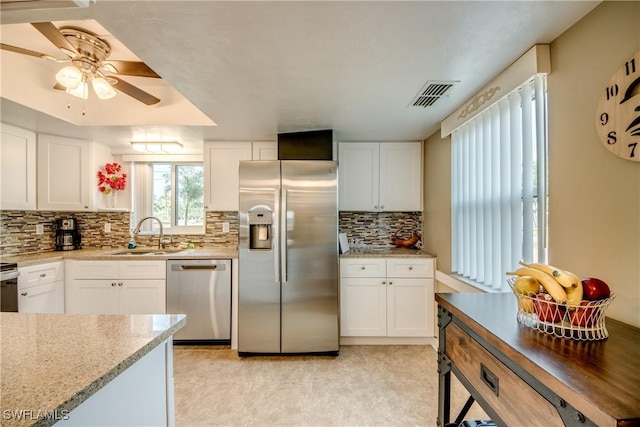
{"x":374,"y":229}
{"x":18,"y":231}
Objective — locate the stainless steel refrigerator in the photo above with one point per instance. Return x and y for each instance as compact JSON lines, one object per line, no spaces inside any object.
{"x":288,"y":257}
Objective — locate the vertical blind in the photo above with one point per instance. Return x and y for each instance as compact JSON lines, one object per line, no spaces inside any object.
{"x":499,"y":187}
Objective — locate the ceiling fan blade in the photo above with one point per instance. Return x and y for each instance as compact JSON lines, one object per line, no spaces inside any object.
{"x":132,"y":68}
{"x":22,"y":50}
{"x":54,"y":35}
{"x":134,"y":92}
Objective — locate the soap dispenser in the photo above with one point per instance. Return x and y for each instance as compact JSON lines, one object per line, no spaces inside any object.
{"x":132,"y":242}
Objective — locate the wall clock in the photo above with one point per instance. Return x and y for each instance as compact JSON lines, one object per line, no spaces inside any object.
{"x":618,"y":115}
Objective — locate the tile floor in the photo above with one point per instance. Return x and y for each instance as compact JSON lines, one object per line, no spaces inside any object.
{"x":363,"y":386}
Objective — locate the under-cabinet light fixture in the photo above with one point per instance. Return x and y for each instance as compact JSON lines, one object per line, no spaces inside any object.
{"x":157,"y":147}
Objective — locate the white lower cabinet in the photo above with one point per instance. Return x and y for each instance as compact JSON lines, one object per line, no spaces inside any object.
{"x":115,"y":287}
{"x":387,"y":297}
{"x":41,"y":288}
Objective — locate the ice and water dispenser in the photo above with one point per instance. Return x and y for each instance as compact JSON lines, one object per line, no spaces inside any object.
{"x":260,"y":232}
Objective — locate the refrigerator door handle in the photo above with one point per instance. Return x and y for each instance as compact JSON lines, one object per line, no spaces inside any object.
{"x":275,"y":231}
{"x":283,"y":237}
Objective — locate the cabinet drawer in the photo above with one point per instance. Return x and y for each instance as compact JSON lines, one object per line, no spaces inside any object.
{"x":92,"y":269}
{"x":40,"y":274}
{"x":363,"y":267}
{"x":410,"y":267}
{"x":142,"y":270}
{"x":513,"y":399}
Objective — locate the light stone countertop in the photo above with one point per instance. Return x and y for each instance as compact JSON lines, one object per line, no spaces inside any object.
{"x":54,"y":362}
{"x":376,"y":252}
{"x":109,"y":255}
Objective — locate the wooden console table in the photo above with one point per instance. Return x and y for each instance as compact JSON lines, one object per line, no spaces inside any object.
{"x":523,"y":377}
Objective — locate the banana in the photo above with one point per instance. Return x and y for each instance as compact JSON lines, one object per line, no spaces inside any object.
{"x":526,"y":285}
{"x":525,"y":304}
{"x":574,"y":296}
{"x":550,"y":285}
{"x":561,"y":276}
{"x":574,"y":277}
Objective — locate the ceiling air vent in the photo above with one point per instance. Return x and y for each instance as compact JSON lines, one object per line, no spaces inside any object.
{"x":431,"y":92}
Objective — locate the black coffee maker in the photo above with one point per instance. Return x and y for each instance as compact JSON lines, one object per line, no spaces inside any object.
{"x":67,"y":234}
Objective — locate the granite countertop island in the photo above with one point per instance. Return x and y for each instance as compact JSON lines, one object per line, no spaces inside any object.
{"x":385,"y":252}
{"x":51,"y":363}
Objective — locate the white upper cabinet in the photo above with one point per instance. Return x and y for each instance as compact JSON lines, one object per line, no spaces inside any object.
{"x":221,"y":163}
{"x":221,"y":180}
{"x":265,"y":150}
{"x":359,"y":176}
{"x":17,"y":168}
{"x":380,"y":176}
{"x":64,"y":174}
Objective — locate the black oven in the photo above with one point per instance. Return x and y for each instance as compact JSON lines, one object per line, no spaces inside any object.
{"x":9,"y":286}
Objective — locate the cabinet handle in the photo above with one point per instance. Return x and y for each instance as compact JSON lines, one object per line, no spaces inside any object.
{"x":120,"y":284}
{"x":410,"y":268}
{"x":489,"y":378}
{"x":382,"y":207}
{"x":363,"y":268}
{"x":384,"y":283}
{"x":391,"y":283}
{"x":375,"y":207}
{"x":113,"y":283}
{"x":43,"y":275}
{"x":24,"y":294}
{"x":86,"y":207}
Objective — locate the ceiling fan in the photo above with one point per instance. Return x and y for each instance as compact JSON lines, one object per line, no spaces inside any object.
{"x":88,"y":56}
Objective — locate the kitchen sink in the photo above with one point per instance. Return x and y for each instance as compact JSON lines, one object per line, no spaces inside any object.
{"x":145,"y":252}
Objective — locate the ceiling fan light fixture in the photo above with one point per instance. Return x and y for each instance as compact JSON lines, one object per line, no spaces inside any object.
{"x":81,"y":91}
{"x":70,"y":77}
{"x":102,"y":88}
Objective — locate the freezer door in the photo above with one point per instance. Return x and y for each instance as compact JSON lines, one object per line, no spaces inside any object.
{"x":258,"y":272}
{"x":309,"y":261}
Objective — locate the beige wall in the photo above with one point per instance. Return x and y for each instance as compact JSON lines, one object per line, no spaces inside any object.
{"x":594,"y":196}
{"x":437,"y":200}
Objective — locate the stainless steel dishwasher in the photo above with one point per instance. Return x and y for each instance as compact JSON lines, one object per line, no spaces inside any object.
{"x":201,"y":289}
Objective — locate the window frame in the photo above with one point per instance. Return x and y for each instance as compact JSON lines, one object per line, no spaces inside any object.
{"x":143,"y":205}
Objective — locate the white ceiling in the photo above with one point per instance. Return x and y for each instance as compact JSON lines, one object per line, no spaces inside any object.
{"x":260,"y":68}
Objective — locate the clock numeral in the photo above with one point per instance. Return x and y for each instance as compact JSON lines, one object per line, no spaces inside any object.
{"x":604,"y":118}
{"x":633,"y":146}
{"x":612,"y":91}
{"x":612,"y":137}
{"x":630,"y":67}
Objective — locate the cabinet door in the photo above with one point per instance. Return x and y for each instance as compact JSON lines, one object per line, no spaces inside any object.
{"x":141,"y":297}
{"x":410,"y":307}
{"x":358,"y":176}
{"x":265,"y":150}
{"x":45,"y":298}
{"x":17,"y":168}
{"x":64,"y":177}
{"x":401,"y":176}
{"x":221,"y":162}
{"x":92,"y":296}
{"x":363,"y":307}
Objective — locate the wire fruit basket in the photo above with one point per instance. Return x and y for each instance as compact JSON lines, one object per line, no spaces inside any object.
{"x":585,"y":322}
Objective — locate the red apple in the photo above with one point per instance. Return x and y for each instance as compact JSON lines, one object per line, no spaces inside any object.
{"x":547,"y":309}
{"x":585,"y":314}
{"x":595,"y":289}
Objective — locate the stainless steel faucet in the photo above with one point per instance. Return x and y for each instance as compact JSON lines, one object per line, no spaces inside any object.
{"x":161,"y":236}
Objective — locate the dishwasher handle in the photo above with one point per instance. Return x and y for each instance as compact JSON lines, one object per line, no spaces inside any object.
{"x":186,"y":267}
